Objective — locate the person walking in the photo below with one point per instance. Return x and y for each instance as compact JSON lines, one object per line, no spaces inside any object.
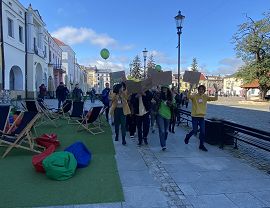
{"x":61,"y":94}
{"x":77,"y":93}
{"x":173,"y":110}
{"x":42,"y":91}
{"x":105,"y":99}
{"x":119,"y":110}
{"x":92,"y":95}
{"x":198,"y":112}
{"x":164,"y":101}
{"x":141,"y":103}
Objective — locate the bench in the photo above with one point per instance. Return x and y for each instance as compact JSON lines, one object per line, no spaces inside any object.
{"x":252,"y":136}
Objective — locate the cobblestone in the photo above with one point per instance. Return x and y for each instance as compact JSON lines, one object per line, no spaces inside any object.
{"x":176,"y":198}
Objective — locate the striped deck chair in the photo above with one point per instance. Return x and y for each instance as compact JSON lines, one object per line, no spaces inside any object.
{"x":4,"y":115}
{"x":21,"y":137}
{"x":66,"y":107}
{"x":91,"y":121}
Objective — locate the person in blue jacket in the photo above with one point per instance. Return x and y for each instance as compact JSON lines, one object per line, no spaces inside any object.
{"x":106,"y":100}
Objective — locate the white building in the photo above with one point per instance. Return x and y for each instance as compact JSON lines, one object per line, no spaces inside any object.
{"x":13,"y":45}
{"x":68,"y":62}
{"x":37,"y":68}
{"x":102,"y":77}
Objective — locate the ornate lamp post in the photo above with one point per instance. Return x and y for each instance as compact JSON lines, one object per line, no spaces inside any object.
{"x":179,"y":20}
{"x":144,"y":59}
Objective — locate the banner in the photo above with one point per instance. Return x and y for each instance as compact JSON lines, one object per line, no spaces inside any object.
{"x":192,"y":77}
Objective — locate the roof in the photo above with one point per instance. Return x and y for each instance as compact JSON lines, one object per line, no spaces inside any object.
{"x":59,"y":42}
{"x":202,"y":77}
{"x":253,"y":84}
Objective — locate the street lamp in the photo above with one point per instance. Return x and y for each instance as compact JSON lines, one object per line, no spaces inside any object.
{"x":144,"y":59}
{"x":179,"y":20}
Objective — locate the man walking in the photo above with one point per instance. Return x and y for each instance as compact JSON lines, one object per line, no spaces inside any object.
{"x":199,"y":104}
{"x":141,"y":103}
{"x":106,"y":100}
{"x":61,"y":94}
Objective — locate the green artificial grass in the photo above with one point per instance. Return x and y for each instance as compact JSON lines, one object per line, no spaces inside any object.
{"x":22,"y":186}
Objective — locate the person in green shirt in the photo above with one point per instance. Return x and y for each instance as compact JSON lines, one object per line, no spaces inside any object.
{"x":164,"y":102}
{"x":198,"y":112}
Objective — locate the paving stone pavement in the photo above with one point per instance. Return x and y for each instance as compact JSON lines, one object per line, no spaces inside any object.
{"x":183,"y":176}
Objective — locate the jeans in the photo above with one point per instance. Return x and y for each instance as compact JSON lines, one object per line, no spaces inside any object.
{"x":119,"y":119}
{"x":197,"y":121}
{"x":131,"y":124}
{"x":163,"y":125}
{"x":59,"y":102}
{"x":143,"y":125}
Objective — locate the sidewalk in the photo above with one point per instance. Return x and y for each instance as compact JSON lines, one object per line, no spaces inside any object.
{"x":184,"y":176}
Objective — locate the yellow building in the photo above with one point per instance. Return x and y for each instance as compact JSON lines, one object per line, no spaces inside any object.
{"x":232,"y":86}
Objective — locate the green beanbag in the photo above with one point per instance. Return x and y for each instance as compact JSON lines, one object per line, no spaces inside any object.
{"x":60,"y":165}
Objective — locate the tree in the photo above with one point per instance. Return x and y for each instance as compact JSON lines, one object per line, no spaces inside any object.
{"x":252,"y":44}
{"x":136,"y":71}
{"x":151,"y":62}
{"x":194,"y":65}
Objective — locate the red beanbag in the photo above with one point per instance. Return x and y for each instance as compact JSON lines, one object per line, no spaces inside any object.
{"x":37,"y":159}
{"x":46,"y":140}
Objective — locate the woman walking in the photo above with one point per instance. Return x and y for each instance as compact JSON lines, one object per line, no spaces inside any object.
{"x":120,"y":110}
{"x":164,"y":102}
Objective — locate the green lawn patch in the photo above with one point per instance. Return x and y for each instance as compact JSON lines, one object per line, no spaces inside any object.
{"x":22,"y":186}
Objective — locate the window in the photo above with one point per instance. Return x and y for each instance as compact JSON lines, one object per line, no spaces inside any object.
{"x":64,"y":55}
{"x":10,"y":28}
{"x":50,"y":56}
{"x":21,"y":34}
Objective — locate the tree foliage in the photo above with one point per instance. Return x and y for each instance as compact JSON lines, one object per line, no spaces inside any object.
{"x":136,"y":71}
{"x":151,"y":62}
{"x":252,"y":44}
{"x":194,"y":65}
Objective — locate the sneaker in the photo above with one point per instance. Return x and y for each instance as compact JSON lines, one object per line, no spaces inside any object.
{"x":164,"y":148}
{"x":145,"y":142}
{"x":124,"y":142}
{"x":203,"y":148}
{"x":186,"y":140}
{"x":116,"y":139}
{"x":131,"y":136}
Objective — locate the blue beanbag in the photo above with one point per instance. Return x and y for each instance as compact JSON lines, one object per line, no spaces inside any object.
{"x":81,"y":153}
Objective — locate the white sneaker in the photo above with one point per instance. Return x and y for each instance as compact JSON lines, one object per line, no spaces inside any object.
{"x":131,"y":136}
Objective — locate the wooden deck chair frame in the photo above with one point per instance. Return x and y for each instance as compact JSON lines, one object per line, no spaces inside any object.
{"x":100,"y":117}
{"x":43,"y":108}
{"x":24,"y":139}
{"x":44,"y":117}
{"x":91,"y":123}
{"x":5,"y":119}
{"x":65,"y":109}
{"x":73,"y":118}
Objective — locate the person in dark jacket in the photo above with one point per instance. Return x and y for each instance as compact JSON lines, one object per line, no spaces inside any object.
{"x":141,"y":103}
{"x":61,"y":93}
{"x":77,"y":93}
{"x":42,"y":91}
{"x":106,"y":100}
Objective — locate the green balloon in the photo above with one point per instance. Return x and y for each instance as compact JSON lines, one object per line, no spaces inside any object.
{"x":105,"y":53}
{"x":158,"y":68}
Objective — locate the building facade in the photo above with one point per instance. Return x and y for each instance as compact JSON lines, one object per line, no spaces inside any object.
{"x":68,"y":63}
{"x":102,"y":76}
{"x":13,"y":51}
{"x":232,"y":86}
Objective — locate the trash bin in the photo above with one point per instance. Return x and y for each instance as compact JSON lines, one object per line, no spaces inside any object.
{"x":214,"y":131}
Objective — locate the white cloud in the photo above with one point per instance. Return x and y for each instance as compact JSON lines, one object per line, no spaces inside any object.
{"x":229,"y":65}
{"x":162,"y":59}
{"x":73,"y":36}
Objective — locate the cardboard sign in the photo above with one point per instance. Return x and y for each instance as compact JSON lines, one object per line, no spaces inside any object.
{"x":192,"y":77}
{"x":133,"y":87}
{"x":161,"y":78}
{"x":117,"y":77}
{"x":138,"y":87}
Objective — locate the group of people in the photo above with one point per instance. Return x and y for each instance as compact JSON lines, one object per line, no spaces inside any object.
{"x":138,"y":112}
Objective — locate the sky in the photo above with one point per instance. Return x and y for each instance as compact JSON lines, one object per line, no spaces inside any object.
{"x":126,"y":27}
